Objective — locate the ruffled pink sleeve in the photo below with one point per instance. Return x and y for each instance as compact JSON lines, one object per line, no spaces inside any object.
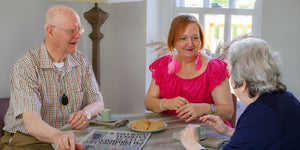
{"x":217,"y":72}
{"x":159,"y":68}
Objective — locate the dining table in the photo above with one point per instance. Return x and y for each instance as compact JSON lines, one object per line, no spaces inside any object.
{"x":161,"y":140}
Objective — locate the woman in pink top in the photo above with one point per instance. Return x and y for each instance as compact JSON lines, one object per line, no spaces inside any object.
{"x":190,"y":83}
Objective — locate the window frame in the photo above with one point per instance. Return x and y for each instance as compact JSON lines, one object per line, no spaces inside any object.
{"x":227,"y":12}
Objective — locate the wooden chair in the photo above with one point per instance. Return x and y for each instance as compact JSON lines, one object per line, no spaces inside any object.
{"x":233,"y":119}
{"x":4,"y":103}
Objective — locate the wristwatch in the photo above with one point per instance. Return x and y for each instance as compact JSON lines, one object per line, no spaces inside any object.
{"x":88,"y":115}
{"x":213,"y":108}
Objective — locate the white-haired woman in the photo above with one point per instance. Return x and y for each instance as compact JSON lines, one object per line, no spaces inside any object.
{"x":272,"y":117}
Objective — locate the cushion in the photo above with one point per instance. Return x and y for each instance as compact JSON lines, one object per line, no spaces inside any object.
{"x":4,"y":103}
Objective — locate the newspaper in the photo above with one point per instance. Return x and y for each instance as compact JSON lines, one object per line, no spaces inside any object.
{"x":115,"y":140}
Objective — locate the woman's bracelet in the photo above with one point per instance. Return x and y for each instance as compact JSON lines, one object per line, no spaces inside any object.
{"x":160,"y":104}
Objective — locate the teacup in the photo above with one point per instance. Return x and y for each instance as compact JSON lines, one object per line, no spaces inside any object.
{"x":105,"y":115}
{"x":197,"y":127}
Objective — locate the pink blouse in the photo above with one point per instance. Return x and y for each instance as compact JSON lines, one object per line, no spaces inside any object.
{"x":195,"y":90}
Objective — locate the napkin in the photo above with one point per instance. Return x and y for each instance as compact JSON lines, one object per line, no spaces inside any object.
{"x":212,"y":142}
{"x":176,"y":136}
{"x":113,"y":124}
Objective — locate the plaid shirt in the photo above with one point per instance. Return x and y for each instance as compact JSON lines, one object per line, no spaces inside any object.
{"x":37,"y":85}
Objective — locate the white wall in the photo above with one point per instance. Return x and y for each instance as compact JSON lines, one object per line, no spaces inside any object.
{"x":123,"y":57}
{"x":123,"y":52}
{"x":21,"y":28}
{"x":16,"y":35}
{"x":159,"y":18}
{"x":122,"y":48}
{"x":281,"y":29}
{"x":152,"y":28}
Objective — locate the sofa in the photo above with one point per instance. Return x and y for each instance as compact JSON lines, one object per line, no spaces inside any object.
{"x":4,"y":103}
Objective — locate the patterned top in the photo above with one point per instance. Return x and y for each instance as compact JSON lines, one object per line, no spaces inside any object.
{"x":37,"y":85}
{"x":195,"y":90}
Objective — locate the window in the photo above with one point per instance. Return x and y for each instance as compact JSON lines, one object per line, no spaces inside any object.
{"x":222,"y":20}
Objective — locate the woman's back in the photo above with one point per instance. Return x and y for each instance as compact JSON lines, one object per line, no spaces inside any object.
{"x":271,"y":122}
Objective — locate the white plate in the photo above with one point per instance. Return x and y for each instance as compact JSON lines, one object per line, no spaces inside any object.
{"x":139,"y":130}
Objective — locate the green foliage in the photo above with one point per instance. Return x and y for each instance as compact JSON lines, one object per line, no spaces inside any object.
{"x":223,"y":3}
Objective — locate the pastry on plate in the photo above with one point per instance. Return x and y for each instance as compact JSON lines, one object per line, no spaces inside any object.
{"x":145,"y":124}
{"x":155,"y":125}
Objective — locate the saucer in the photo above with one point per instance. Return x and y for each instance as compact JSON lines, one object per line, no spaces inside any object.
{"x":109,"y":121}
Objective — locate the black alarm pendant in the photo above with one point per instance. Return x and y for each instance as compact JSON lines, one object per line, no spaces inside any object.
{"x":64,"y":99}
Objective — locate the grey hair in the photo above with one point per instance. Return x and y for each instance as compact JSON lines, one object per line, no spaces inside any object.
{"x":252,"y":60}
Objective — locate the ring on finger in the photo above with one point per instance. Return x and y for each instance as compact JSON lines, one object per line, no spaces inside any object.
{"x":189,"y":113}
{"x":84,"y":122}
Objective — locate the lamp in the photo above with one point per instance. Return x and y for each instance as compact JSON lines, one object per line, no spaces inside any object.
{"x":96,"y":17}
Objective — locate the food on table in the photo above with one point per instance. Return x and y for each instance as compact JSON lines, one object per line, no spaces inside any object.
{"x":145,"y":121}
{"x":156,"y":125}
{"x":145,"y":124}
{"x":139,"y":125}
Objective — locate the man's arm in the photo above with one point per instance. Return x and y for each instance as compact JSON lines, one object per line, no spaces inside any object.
{"x":79,"y":120}
{"x":44,"y":132}
{"x":94,"y":108}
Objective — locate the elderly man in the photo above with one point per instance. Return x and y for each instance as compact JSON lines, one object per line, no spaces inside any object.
{"x":51,"y":86}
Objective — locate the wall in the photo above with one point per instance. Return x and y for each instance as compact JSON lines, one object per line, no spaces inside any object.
{"x":159,"y":18}
{"x":21,"y":28}
{"x":123,"y":54}
{"x":281,"y":29}
{"x":122,"y":48}
{"x":123,"y":57}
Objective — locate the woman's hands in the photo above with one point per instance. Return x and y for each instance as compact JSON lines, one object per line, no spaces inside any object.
{"x":218,"y":124}
{"x":78,"y":120}
{"x":182,"y":106}
{"x":192,"y":111}
{"x":175,"y":103}
{"x":189,"y":138}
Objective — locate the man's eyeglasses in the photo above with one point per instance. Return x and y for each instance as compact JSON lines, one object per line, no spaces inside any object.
{"x":72,"y":30}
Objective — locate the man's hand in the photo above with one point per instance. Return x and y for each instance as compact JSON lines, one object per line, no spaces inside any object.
{"x":78,"y":120}
{"x":44,"y":132}
{"x":79,"y":147}
{"x":64,"y":141}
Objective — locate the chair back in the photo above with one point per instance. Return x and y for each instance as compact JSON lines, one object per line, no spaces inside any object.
{"x":4,"y":103}
{"x":233,"y":119}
